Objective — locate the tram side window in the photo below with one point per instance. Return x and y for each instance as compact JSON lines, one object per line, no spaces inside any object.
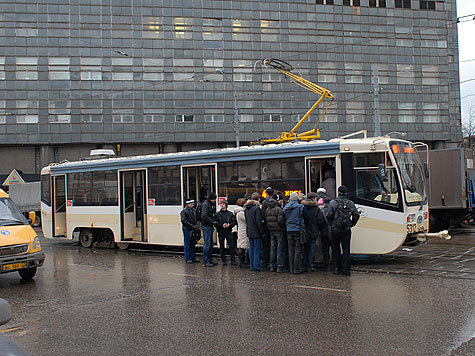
{"x":93,"y":188}
{"x":46,"y":189}
{"x":370,"y":187}
{"x":164,"y":185}
{"x":237,"y":179}
{"x":284,"y":175}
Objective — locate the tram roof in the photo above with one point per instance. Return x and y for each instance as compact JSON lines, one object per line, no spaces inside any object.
{"x":245,"y":153}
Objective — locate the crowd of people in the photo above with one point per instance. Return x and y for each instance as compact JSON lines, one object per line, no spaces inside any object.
{"x":269,"y":235}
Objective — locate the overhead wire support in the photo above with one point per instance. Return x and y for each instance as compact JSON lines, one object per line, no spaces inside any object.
{"x":286,"y":68}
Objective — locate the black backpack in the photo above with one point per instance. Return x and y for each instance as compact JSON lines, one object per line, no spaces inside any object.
{"x":342,"y":217}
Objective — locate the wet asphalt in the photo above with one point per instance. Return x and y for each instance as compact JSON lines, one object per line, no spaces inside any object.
{"x":108,"y":302}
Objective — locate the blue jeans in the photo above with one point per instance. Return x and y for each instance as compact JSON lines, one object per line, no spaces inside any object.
{"x":208,"y":245}
{"x":311,"y":253}
{"x":277,"y":252}
{"x":188,"y":247}
{"x":255,"y":254}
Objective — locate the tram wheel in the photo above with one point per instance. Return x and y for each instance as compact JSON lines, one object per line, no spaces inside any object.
{"x":122,"y":245}
{"x":86,"y":238}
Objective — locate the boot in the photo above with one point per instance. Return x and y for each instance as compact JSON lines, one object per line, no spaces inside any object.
{"x":242,"y":258}
{"x":246,"y":259}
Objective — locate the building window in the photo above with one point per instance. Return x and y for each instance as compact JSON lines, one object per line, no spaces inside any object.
{"x":430,"y":75}
{"x":183,"y":28}
{"x":152,"y":69}
{"x":27,"y":68}
{"x":327,"y":72}
{"x":271,"y":76}
{"x":351,"y":2}
{"x":431,"y":113}
{"x":246,"y":118}
{"x":3,"y":114}
{"x":324,"y":2}
{"x":27,"y":111}
{"x":210,"y":67}
{"x":212,"y":29}
{"x":402,"y":42}
{"x":353,"y":73}
{"x":241,"y":30}
{"x":402,"y":4}
{"x":122,"y":69}
{"x":26,"y":32}
{"x":151,"y":27}
{"x":406,"y":112}
{"x":384,"y":112}
{"x":273,"y":117}
{"x":59,"y":69}
{"x":150,"y":118}
{"x":405,"y":74}
{"x":59,"y":111}
{"x":377,"y":3}
{"x":383,"y":72}
{"x":91,"y":69}
{"x":330,"y":113}
{"x":91,"y":118}
{"x":270,"y":30}
{"x":214,"y":118}
{"x":242,"y":71}
{"x":184,"y":118}
{"x":123,"y":118}
{"x":2,"y":68}
{"x":427,"y":5}
{"x":298,"y":31}
{"x":354,"y":111}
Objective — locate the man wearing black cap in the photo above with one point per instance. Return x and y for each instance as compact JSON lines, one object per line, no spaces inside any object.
{"x":343,"y":215}
{"x":208,"y":209}
{"x":188,"y":222}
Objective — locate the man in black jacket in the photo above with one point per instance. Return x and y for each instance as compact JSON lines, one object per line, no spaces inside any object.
{"x":255,"y":231}
{"x":188,"y":222}
{"x":208,"y":209}
{"x":313,"y":225}
{"x":224,"y":221}
{"x":343,"y":215}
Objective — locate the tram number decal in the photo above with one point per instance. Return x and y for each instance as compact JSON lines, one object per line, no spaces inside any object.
{"x":411,"y":228}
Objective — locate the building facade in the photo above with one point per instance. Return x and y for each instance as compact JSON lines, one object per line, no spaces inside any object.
{"x":148,"y":76}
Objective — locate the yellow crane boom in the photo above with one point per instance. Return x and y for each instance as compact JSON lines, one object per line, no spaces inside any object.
{"x":285,"y":68}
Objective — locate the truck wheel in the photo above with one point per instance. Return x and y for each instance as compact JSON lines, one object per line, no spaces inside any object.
{"x":37,"y":222}
{"x":122,"y":245}
{"x":86,"y":238}
{"x":27,"y":273}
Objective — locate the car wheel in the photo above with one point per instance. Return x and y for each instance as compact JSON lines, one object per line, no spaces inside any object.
{"x":37,"y":222}
{"x":27,"y":273}
{"x":86,"y":238}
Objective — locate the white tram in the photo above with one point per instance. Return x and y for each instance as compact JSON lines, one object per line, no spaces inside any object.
{"x":138,"y":199}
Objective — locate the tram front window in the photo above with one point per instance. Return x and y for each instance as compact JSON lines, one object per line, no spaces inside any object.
{"x":410,"y":169}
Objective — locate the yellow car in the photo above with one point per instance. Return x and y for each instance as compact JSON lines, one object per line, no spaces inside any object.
{"x":20,"y":248}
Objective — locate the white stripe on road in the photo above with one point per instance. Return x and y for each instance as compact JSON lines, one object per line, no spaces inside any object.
{"x":184,"y":274}
{"x":321,"y":288}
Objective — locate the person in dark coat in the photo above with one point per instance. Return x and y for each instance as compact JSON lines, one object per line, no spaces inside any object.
{"x":208,"y":209}
{"x":255,"y":231}
{"x":295,"y":225}
{"x":189,"y":224}
{"x":224,"y":221}
{"x":325,"y":235}
{"x":274,"y":222}
{"x":343,"y":215}
{"x":266,"y":241}
{"x":313,"y":225}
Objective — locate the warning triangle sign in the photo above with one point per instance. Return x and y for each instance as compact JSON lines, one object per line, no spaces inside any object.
{"x":13,"y":178}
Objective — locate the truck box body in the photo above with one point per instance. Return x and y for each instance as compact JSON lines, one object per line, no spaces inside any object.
{"x":26,"y":196}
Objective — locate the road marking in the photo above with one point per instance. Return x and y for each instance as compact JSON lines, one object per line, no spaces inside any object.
{"x":321,"y":288}
{"x":9,"y":330}
{"x":184,"y":274}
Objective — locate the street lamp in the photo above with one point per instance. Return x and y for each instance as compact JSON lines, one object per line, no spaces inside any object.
{"x":236,"y":109}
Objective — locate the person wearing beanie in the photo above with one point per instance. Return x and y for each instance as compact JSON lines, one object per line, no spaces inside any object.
{"x":343,"y":215}
{"x":295,"y":225}
{"x":208,"y":209}
{"x":321,"y":195}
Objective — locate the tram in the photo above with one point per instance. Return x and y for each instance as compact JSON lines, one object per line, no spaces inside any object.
{"x":138,"y":199}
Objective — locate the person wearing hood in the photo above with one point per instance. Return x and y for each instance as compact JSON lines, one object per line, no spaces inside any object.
{"x":295,"y":225}
{"x":254,"y":230}
{"x":242,"y":241}
{"x":343,"y":215}
{"x":274,"y":222}
{"x":313,"y":225}
{"x":208,"y":209}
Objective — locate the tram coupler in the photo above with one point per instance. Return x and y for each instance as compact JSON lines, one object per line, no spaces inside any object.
{"x":424,"y":236}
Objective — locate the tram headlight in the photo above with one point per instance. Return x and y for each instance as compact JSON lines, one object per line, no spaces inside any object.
{"x":426,"y":215}
{"x":411,"y":218}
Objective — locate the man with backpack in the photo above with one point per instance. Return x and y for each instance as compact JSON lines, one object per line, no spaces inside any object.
{"x":343,"y":215}
{"x":206,"y":213}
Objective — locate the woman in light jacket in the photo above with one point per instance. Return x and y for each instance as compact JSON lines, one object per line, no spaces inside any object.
{"x":243,"y":241}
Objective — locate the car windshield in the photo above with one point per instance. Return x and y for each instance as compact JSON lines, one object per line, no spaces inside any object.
{"x":410,"y":168}
{"x":9,"y":213}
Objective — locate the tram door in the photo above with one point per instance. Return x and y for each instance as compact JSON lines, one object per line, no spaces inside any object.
{"x":198,"y":182}
{"x":321,"y":173}
{"x":132,"y":206}
{"x":59,"y":205}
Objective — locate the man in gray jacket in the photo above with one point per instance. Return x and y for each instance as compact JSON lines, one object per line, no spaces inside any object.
{"x":343,"y":215}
